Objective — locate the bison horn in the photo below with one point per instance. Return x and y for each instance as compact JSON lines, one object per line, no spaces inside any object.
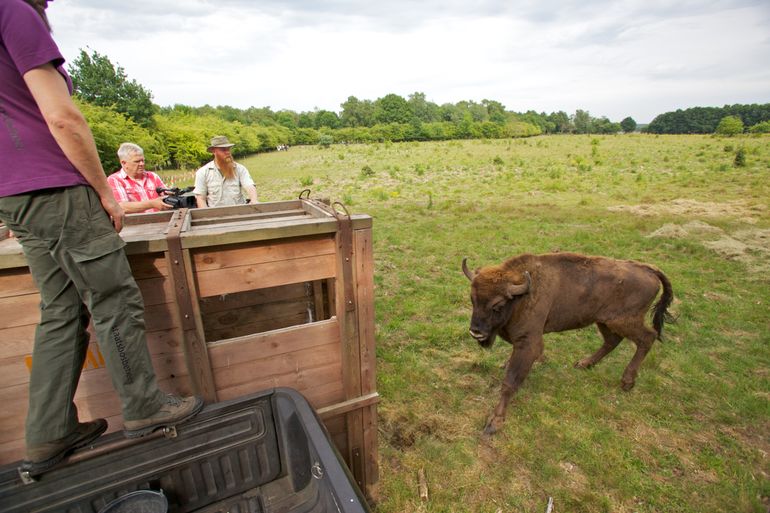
{"x":518,"y":290}
{"x":466,"y":271}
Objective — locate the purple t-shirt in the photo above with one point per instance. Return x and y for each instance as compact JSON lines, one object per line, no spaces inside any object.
{"x":30,"y":158}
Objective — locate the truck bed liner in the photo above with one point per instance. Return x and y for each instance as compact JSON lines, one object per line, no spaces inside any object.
{"x":266,"y":452}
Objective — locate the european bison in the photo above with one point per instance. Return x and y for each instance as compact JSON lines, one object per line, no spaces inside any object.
{"x":529,"y":295}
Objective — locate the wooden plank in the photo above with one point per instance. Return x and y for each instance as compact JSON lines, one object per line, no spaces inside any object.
{"x":236,"y":210}
{"x":16,"y":341}
{"x":193,"y":338}
{"x":276,"y":323}
{"x":276,"y":342}
{"x":317,"y":394}
{"x":257,"y":216}
{"x":349,"y":405}
{"x":151,"y":265}
{"x":248,"y":320}
{"x":270,"y":274}
{"x":281,"y":229}
{"x":19,"y":310}
{"x":16,"y":282}
{"x":364,"y":278}
{"x":364,"y":273}
{"x":258,"y":313}
{"x":286,"y":366}
{"x":234,"y":255}
{"x":227,"y":302}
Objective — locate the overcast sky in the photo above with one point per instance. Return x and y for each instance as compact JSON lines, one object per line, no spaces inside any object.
{"x":635,"y":58}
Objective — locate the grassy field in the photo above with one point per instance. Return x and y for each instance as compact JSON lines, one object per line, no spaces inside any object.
{"x":693,"y":436}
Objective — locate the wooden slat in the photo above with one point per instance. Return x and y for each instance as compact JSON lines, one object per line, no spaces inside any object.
{"x":152,"y":265}
{"x":246,"y":254}
{"x":15,"y":282}
{"x":275,"y":323}
{"x":272,"y":343}
{"x":16,"y":341}
{"x":19,"y":310}
{"x":279,"y":229}
{"x":236,"y":210}
{"x":257,"y":216}
{"x":270,"y":274}
{"x":318,"y":393}
{"x":247,"y":298}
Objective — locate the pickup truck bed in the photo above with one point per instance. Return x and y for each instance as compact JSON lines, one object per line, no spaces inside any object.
{"x":265,"y":452}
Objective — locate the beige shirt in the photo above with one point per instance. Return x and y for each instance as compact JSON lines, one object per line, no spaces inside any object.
{"x":210,"y":183}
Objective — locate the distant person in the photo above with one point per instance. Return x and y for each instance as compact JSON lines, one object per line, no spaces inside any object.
{"x":134,"y":188}
{"x":223,"y":181}
{"x":55,"y":197}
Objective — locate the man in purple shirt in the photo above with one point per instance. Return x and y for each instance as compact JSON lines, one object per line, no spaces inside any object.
{"x":55,"y":197}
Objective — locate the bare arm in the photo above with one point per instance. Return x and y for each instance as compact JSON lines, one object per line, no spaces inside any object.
{"x":71,"y":132}
{"x":201,"y":201}
{"x":252,"y":192}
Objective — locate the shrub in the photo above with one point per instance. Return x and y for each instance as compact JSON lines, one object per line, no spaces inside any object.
{"x":367,"y":171}
{"x":761,"y":128}
{"x":325,"y":140}
{"x":740,"y":157}
{"x":729,"y":126}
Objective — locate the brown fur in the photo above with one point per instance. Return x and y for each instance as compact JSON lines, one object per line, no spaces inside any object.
{"x":567,"y":291}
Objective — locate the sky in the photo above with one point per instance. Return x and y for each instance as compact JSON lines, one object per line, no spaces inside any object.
{"x":637,"y":58}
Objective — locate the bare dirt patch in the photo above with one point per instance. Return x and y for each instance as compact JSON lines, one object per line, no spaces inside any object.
{"x":689,"y":207}
{"x":750,"y":246}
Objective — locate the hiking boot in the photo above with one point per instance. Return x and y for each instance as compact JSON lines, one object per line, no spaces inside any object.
{"x":173,"y":411}
{"x":45,"y":456}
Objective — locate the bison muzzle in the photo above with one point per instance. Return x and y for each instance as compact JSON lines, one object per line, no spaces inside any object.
{"x":529,"y":295}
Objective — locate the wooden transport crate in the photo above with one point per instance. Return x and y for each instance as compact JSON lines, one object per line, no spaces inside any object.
{"x":237,"y":299}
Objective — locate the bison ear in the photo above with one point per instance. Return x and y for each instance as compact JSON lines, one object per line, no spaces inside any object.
{"x":518,"y":290}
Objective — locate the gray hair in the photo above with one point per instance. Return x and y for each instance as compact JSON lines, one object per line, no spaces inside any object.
{"x":126,"y":149}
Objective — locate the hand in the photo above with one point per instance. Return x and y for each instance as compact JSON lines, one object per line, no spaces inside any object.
{"x":160,"y":204}
{"x":114,"y":210}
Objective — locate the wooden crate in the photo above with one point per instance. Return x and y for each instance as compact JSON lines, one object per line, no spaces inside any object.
{"x":237,"y":299}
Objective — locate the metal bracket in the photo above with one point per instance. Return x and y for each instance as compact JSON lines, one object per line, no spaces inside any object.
{"x":170,"y":432}
{"x":26,"y":477}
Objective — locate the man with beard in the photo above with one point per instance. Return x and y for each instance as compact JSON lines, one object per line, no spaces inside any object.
{"x":55,"y":197}
{"x":223,"y":181}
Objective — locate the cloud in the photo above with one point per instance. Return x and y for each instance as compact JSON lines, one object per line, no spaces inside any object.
{"x":613,"y":58}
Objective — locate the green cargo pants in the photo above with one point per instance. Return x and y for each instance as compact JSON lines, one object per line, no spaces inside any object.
{"x":79,"y":266}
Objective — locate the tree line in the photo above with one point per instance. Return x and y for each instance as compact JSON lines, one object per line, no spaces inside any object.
{"x":707,"y":120}
{"x":120,"y":109}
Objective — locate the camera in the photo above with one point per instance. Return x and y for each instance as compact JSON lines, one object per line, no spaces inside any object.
{"x":178,"y":198}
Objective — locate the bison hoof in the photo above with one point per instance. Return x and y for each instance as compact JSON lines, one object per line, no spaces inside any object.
{"x":585,"y":363}
{"x":493,"y":424}
{"x":626,"y":386}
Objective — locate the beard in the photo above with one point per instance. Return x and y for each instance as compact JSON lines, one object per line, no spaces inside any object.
{"x":226,"y":166}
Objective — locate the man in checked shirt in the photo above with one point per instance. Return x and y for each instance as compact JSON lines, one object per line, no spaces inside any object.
{"x":134,"y":187}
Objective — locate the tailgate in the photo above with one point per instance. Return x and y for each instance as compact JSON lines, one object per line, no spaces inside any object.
{"x":265,"y":452}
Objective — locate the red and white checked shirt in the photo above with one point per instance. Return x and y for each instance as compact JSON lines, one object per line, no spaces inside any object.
{"x":125,"y":188}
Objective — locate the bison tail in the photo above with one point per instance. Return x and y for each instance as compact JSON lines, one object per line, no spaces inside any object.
{"x":660,"y":313}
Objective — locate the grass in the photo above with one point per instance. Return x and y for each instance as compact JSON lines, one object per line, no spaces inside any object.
{"x":693,"y":436}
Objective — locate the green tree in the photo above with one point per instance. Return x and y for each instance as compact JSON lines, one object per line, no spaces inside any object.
{"x":582,"y":121}
{"x":356,"y":112}
{"x":111,"y":128}
{"x":392,"y":108}
{"x":729,"y":126}
{"x":97,"y":81}
{"x":326,"y":118}
{"x":628,"y":125}
{"x":761,"y":128}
